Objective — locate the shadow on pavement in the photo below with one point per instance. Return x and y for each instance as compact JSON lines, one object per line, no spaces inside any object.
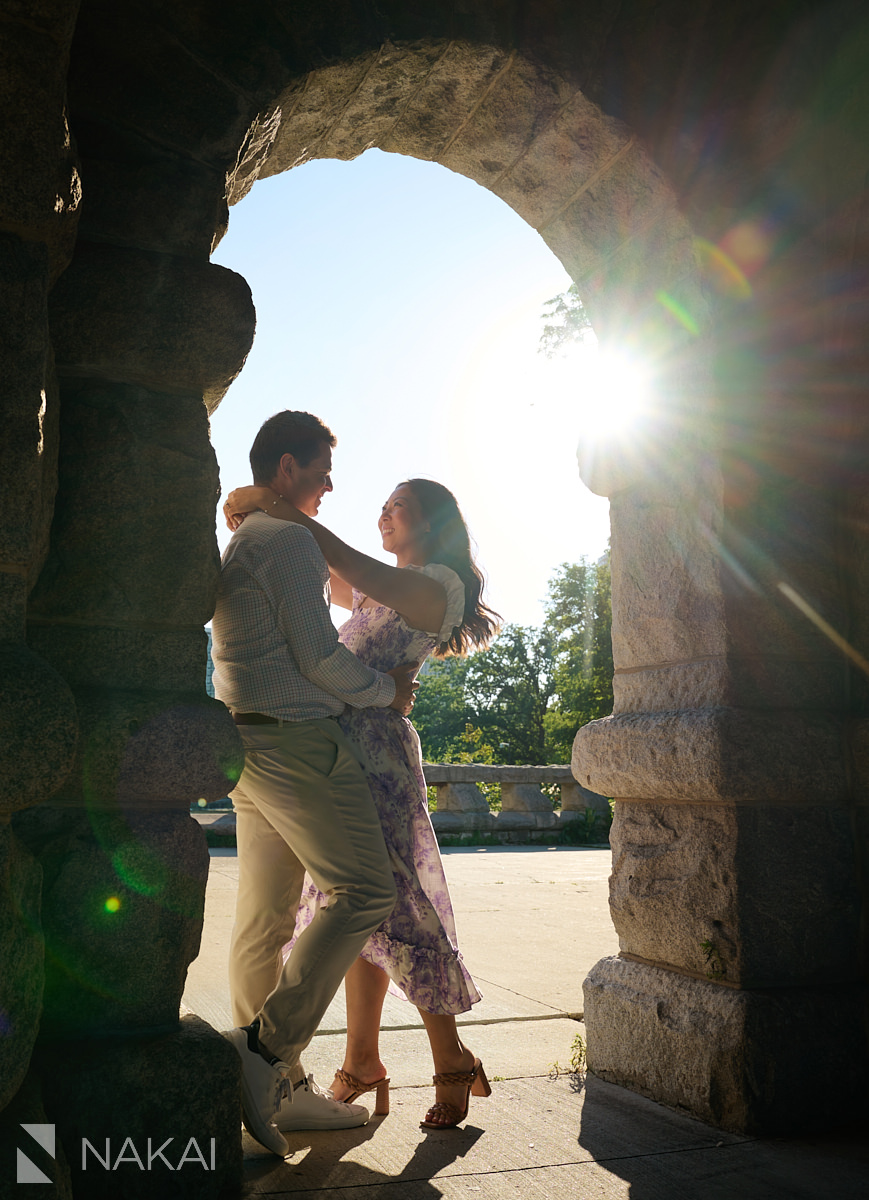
{"x":665,"y":1155}
{"x":318,"y":1163}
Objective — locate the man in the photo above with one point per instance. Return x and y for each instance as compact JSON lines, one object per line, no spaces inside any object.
{"x":302,"y":800}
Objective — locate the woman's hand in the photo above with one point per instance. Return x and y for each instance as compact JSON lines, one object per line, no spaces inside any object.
{"x":244,"y":500}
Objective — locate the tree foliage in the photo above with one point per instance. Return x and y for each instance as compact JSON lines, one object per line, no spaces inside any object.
{"x":566,"y":322}
{"x":523,"y":699}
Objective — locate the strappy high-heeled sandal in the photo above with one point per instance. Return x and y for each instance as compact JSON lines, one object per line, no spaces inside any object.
{"x":380,"y":1087}
{"x":473,"y":1081}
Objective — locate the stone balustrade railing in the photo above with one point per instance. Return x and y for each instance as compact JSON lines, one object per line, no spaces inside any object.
{"x":526,"y":811}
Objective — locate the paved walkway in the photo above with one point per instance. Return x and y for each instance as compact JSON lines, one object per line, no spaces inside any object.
{"x":531,"y":922}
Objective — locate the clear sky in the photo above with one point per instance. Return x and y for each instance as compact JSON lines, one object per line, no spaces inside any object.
{"x":402,"y":304}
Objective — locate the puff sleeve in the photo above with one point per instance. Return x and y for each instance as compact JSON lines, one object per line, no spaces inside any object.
{"x":455,"y":591}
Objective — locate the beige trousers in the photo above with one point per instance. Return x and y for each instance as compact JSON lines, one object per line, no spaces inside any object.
{"x":303,"y":805}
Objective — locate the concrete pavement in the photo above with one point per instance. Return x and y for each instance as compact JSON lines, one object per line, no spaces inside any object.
{"x":532,"y":921}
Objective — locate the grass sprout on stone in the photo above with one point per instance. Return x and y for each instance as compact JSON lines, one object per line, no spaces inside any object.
{"x":576,"y":1064}
{"x":714,"y":962}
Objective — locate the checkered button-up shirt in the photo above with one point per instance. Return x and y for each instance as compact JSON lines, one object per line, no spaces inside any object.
{"x":275,"y":649}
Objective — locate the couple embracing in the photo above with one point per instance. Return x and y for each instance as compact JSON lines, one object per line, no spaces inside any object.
{"x":340,"y":876}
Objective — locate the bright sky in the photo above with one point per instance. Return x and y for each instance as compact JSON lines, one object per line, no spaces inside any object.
{"x":402,"y":304}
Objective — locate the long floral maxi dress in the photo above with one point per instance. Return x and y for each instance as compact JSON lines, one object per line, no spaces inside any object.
{"x":416,"y":945}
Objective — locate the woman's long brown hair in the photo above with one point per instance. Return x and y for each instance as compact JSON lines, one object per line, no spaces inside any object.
{"x":450,"y":543}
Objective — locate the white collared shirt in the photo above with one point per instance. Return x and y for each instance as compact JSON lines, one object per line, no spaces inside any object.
{"x":275,"y":648}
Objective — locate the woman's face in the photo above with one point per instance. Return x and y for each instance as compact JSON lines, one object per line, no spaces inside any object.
{"x":402,"y":525}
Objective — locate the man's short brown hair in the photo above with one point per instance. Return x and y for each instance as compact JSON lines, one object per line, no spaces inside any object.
{"x":298,"y":433}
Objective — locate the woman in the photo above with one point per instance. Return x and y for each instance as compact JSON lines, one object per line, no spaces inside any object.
{"x":429,"y":602}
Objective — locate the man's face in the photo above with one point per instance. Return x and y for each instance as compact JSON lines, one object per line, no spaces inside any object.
{"x":306,"y":486}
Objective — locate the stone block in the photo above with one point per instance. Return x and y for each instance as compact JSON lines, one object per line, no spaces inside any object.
{"x":122,"y":912}
{"x":157,"y":320}
{"x":668,"y":605}
{"x":27,"y":1108}
{"x":576,"y":799}
{"x":524,"y":797}
{"x":380,"y":102}
{"x":714,"y":756}
{"x":454,"y":823}
{"x":39,"y":722}
{"x":115,"y":560}
{"x":520,"y":822}
{"x":461,"y":798}
{"x":143,"y":196}
{"x":184,"y":1084}
{"x":21,"y":961}
{"x":568,"y":153}
{"x":151,"y":750}
{"x":139,"y":73}
{"x":736,"y":1059}
{"x":129,"y":659}
{"x":750,"y":681}
{"x":755,"y":897}
{"x":41,"y":186}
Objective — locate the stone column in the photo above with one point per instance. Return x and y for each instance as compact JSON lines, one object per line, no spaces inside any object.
{"x":39,"y":198}
{"x":734,"y":888}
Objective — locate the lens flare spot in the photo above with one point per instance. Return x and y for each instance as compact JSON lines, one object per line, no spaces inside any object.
{"x":721,"y":270}
{"x":677,"y":310}
{"x":749,"y":244}
{"x":614,"y":392}
{"x":201,"y":802}
{"x":112,"y":905}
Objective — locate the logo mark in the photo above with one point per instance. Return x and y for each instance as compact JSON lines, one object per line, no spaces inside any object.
{"x":28,"y":1172}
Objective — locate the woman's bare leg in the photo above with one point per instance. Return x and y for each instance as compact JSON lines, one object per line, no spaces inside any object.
{"x":450,"y":1054}
{"x":365,"y":990}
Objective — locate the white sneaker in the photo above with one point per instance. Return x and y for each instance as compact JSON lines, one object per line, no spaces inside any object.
{"x":308,"y":1106}
{"x":263,"y":1087}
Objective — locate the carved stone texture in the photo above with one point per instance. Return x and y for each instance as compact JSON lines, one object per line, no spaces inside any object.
{"x":129,"y":659}
{"x":151,"y":750}
{"x":147,"y":197}
{"x":183,"y":1084}
{"x":41,"y":188}
{"x":28,"y":448}
{"x":21,"y":961}
{"x":461,"y":798}
{"x":39,"y":724}
{"x":736,"y":1059}
{"x":115,"y":560}
{"x":754,"y":897}
{"x":27,"y":1108}
{"x":668,"y":604}
{"x":122,"y":912}
{"x":713,"y":756}
{"x":158,"y":320}
{"x":524,"y":797}
{"x":186,"y":753}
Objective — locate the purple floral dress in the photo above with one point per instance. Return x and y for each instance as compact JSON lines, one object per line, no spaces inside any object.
{"x":416,"y":945}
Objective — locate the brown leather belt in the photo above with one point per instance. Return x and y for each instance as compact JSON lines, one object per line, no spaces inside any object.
{"x":254,"y":719}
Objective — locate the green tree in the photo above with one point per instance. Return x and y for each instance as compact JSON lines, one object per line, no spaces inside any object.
{"x":508,"y":689}
{"x":523,"y":699}
{"x":440,"y":713}
{"x":566,"y":323}
{"x":579,"y":617}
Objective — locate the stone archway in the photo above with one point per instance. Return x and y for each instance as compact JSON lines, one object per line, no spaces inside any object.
{"x":725,"y":750}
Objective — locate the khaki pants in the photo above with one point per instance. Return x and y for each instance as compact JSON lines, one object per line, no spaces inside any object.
{"x":302,"y":804}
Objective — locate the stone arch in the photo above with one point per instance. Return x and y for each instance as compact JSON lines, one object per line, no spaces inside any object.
{"x":726,"y":746}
